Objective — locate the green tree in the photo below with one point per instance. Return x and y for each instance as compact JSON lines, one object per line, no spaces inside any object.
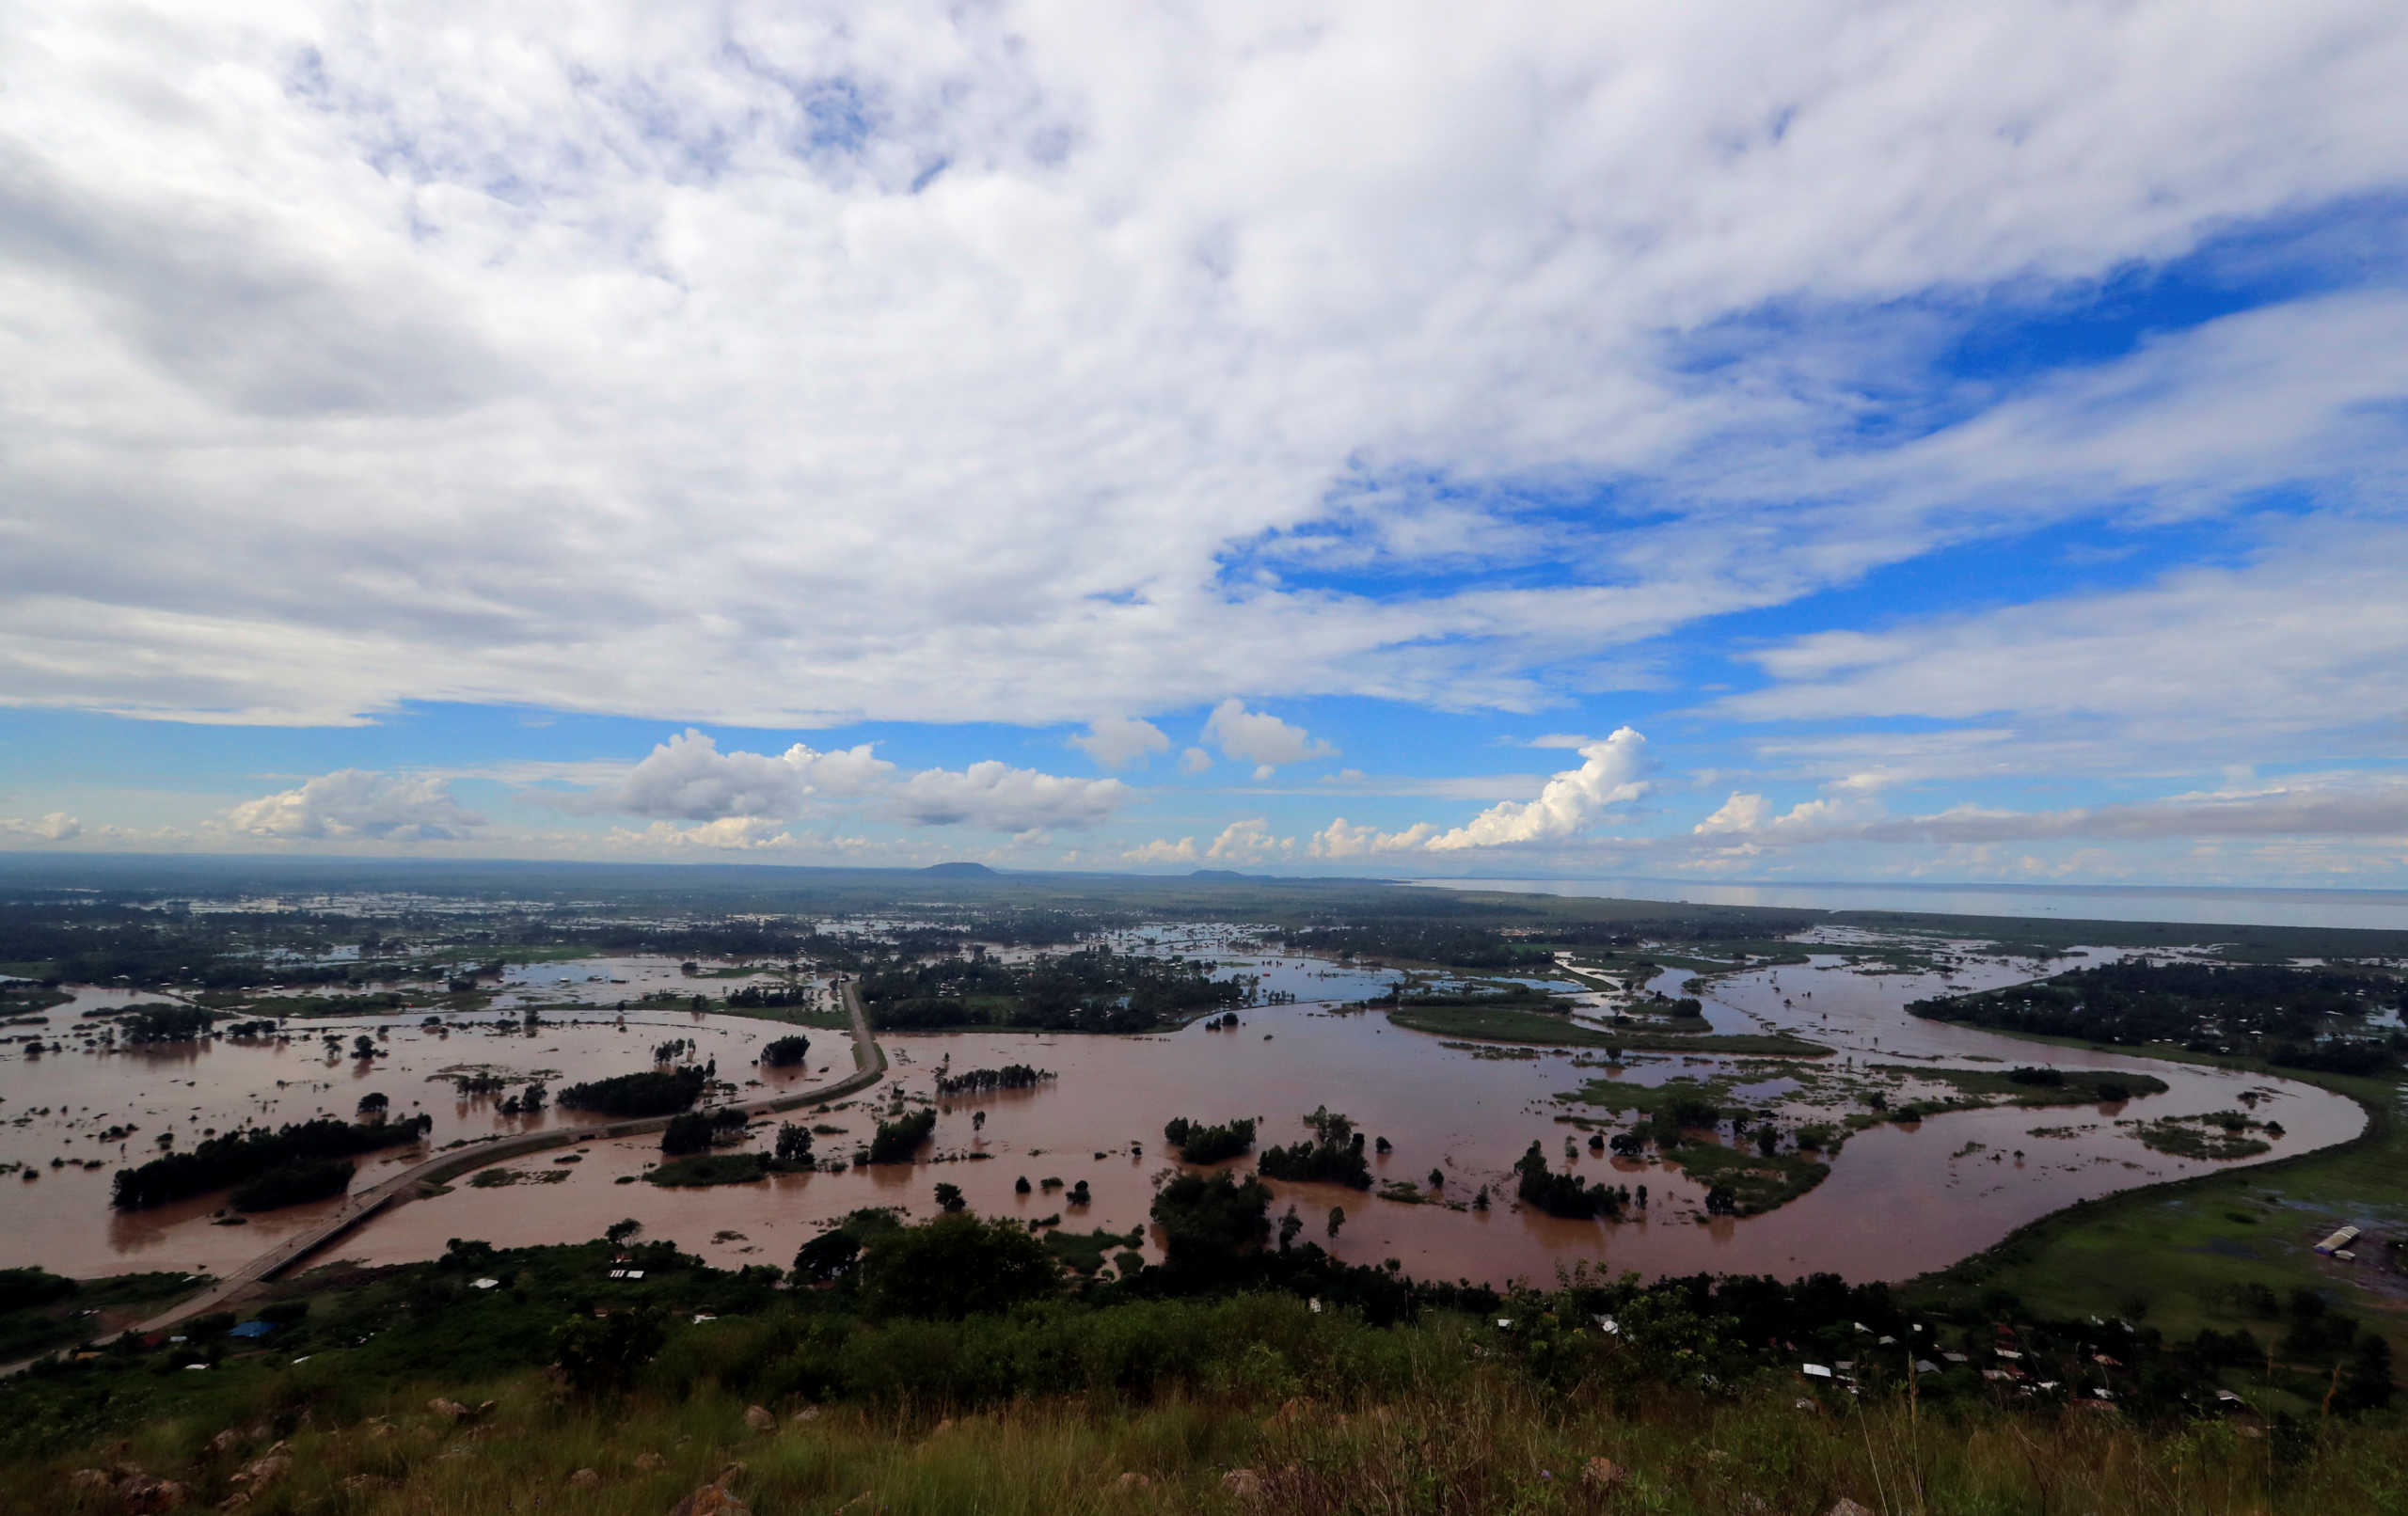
{"x":599,"y":1355}
{"x":1337,"y":1219}
{"x":953,"y":1267}
{"x":949,"y":1199}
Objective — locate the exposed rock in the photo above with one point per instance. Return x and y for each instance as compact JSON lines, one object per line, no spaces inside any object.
{"x":451,"y":1410}
{"x":1134,"y":1482}
{"x":263,"y":1471}
{"x":809,"y":1412}
{"x":649,"y":1461}
{"x":226,"y":1442}
{"x":715,"y":1498}
{"x":1242,"y":1484}
{"x":139,"y":1494}
{"x":585,"y":1479}
{"x":239,"y":1500}
{"x":90,"y":1481}
{"x":759,"y":1419}
{"x":1603,"y":1473}
{"x":1847,"y":1508}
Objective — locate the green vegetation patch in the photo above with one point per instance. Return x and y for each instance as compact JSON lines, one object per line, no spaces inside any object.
{"x":1493,"y":1024}
{"x":1757,"y":1181}
{"x":1084,"y":1253}
{"x":698,"y":1170}
{"x":2221,"y":1134}
{"x":40,"y":1310}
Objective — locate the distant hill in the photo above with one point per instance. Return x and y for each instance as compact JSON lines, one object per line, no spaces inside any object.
{"x":1214,"y":873}
{"x":961,"y":871}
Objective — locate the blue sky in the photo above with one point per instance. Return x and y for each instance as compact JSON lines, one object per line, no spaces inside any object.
{"x":1862,"y":442}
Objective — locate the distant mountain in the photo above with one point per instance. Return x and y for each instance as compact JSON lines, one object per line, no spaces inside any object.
{"x":1214,"y":873}
{"x":961,"y":871}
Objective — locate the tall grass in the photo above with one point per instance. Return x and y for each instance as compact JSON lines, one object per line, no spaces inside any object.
{"x":1421,"y":1428}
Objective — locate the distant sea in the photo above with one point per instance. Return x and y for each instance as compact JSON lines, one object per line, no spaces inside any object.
{"x":2381,"y":908}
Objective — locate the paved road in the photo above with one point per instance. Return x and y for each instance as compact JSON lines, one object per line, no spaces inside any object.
{"x":869,"y":1066}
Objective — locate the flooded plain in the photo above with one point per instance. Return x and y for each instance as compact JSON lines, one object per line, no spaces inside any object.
{"x":1899,"y":1199}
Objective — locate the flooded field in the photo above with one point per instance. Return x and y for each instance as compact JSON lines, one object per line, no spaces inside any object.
{"x":60,"y":1106}
{"x":1899,"y":1199}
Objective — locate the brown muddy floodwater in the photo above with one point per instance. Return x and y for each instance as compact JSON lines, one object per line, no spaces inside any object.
{"x":1899,"y":1200}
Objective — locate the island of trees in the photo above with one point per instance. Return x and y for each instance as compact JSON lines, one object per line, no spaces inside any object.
{"x":1199,"y":1144}
{"x":296,"y":1162}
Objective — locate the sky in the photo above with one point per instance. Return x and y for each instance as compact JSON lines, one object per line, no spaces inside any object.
{"x":1827,"y":441}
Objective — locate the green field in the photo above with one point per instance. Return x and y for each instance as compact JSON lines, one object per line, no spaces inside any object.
{"x":1497,"y":1024}
{"x":2190,"y":1253}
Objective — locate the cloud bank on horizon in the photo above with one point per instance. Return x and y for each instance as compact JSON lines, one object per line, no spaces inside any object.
{"x":1967,"y":442}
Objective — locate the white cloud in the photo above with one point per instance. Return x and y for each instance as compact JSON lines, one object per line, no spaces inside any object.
{"x":1195,"y":761}
{"x":2312,"y":632}
{"x":1341,"y":839}
{"x":1607,"y":777}
{"x":726,"y":834}
{"x":996,"y":797}
{"x":1742,"y":813}
{"x":2348,"y":806}
{"x":56,"y":827}
{"x":1249,"y":840}
{"x":688,"y":779}
{"x":354,"y":804}
{"x":1116,"y":742}
{"x":1261,"y":738}
{"x":638,"y":339}
{"x":1163,"y":850}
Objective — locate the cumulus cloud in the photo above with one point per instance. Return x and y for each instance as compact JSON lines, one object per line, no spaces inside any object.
{"x":1249,"y":840}
{"x":1163,"y":850}
{"x":1195,"y":761}
{"x":56,"y":827}
{"x":1260,"y":739}
{"x":998,"y":798}
{"x":1607,"y":777}
{"x":1118,"y":741}
{"x":726,"y":834}
{"x":1742,"y":813}
{"x":356,"y":804}
{"x":1341,"y":839}
{"x":688,"y":779}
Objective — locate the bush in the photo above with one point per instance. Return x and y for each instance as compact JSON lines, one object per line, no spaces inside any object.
{"x":955,"y":1266}
{"x":1209,"y":1224}
{"x":897,"y":1141}
{"x":785,"y":1052}
{"x":600,"y":1354}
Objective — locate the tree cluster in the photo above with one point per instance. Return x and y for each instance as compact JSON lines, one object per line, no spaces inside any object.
{"x":652,"y":1092}
{"x":1199,"y":1144}
{"x":238,"y":1156}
